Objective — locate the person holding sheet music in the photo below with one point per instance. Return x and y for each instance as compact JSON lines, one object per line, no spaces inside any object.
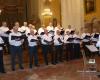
{"x":58,"y":44}
{"x":46,"y":41}
{"x":94,"y":37}
{"x":66,"y":44}
{"x":16,"y":41}
{"x":59,"y":27}
{"x":98,"y":44}
{"x":86,"y":41}
{"x":30,"y":26}
{"x":41,"y":32}
{"x":24,"y":28}
{"x":77,"y":44}
{"x":71,"y":45}
{"x":1,"y":56}
{"x":4,"y":32}
{"x":50,"y":27}
{"x":41,"y":29}
{"x":33,"y":52}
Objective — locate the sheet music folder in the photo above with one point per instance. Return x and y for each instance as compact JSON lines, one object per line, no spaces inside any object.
{"x":70,"y":39}
{"x":33,"y":40}
{"x":96,"y":36}
{"x":8,"y":32}
{"x":92,"y":48}
{"x":87,"y":37}
{"x":79,"y":39}
{"x":17,"y":38}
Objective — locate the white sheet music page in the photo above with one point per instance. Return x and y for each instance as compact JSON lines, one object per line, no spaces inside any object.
{"x":92,"y":48}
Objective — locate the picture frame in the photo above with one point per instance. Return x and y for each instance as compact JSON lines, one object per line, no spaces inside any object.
{"x":90,"y":6}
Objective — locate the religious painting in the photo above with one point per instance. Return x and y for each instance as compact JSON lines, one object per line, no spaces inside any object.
{"x":90,"y":6}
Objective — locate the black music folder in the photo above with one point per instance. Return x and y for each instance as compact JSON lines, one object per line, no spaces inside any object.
{"x":17,"y":38}
{"x":72,"y":32}
{"x":79,"y":39}
{"x":42,"y":33}
{"x":46,"y":41}
{"x":62,"y":32}
{"x":70,"y":39}
{"x":8,"y":32}
{"x":96,"y":36}
{"x":36,"y":33}
{"x":33,"y":40}
{"x":51,"y":31}
{"x":87,"y":37}
{"x":28,"y":34}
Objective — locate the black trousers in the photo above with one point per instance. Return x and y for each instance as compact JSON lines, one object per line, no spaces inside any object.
{"x":87,"y":52}
{"x":1,"y":62}
{"x":77,"y":51}
{"x":58,"y":53}
{"x":16,"y":51}
{"x":45,"y":50}
{"x":67,"y":51}
{"x":33,"y":53}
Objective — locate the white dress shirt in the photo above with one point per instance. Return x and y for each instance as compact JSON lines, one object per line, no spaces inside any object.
{"x":75,"y":40}
{"x":47,"y":38}
{"x":66,"y":38}
{"x":1,"y":42}
{"x":94,"y":39}
{"x":28,"y":31}
{"x":30,"y":43}
{"x":40,"y":30}
{"x":15,"y":42}
{"x":23,"y":28}
{"x":83,"y":36}
{"x":98,"y":42}
{"x":4,"y":29}
{"x":56,"y":29}
{"x":56,"y":42}
{"x":50,"y":28}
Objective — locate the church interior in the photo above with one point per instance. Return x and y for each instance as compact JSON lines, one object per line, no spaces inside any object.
{"x":72,"y":52}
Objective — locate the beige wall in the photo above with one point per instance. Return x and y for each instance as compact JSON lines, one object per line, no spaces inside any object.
{"x":89,"y":16}
{"x":72,"y":13}
{"x":56,"y":9}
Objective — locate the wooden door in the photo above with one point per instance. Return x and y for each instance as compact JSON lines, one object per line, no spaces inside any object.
{"x":12,"y":10}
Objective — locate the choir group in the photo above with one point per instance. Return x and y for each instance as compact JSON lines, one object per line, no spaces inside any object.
{"x":62,"y":44}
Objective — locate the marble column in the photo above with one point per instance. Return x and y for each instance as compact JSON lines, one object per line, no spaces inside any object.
{"x":72,"y":13}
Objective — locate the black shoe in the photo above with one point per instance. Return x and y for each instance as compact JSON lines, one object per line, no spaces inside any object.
{"x":53,"y":63}
{"x":3,"y":72}
{"x":37,"y":65}
{"x":21,"y":68}
{"x":13,"y":69}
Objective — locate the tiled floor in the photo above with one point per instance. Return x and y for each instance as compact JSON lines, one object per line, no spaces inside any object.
{"x":61,"y":71}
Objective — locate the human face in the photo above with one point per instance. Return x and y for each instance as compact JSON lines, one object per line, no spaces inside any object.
{"x":17,"y":24}
{"x":15,"y":29}
{"x":25,"y":23}
{"x":50,"y":24}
